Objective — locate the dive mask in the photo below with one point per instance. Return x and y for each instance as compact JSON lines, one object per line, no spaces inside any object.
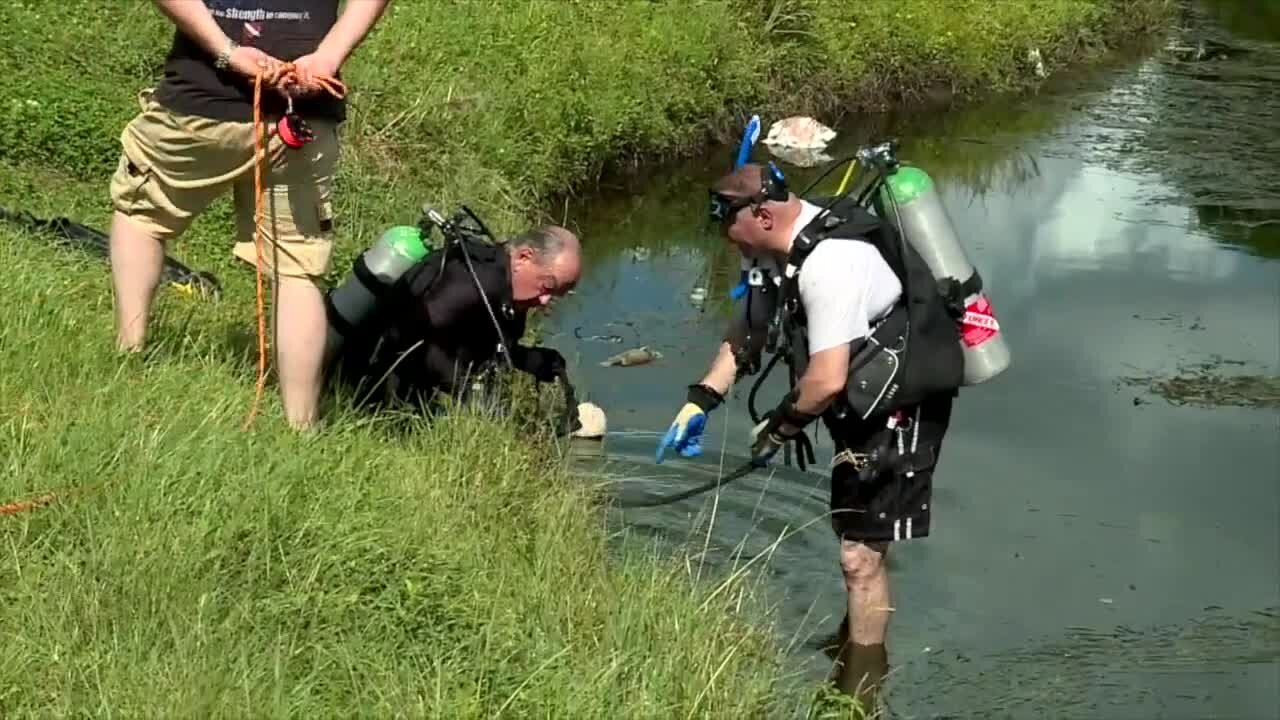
{"x":724,"y":207}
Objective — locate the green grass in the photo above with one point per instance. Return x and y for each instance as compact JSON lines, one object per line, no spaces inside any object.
{"x":910,"y":49}
{"x":501,"y":104}
{"x":445,"y":569}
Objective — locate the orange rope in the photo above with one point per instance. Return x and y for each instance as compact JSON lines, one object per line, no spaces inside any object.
{"x":39,"y":501}
{"x":283,"y":74}
{"x":18,"y":506}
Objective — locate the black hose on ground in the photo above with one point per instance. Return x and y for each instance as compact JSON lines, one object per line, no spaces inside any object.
{"x":97,"y":242}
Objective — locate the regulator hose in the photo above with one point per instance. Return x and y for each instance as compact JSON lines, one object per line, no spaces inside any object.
{"x":738,"y":474}
{"x":86,"y":238}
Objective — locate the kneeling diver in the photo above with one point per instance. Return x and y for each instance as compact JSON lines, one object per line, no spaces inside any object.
{"x":456,"y":313}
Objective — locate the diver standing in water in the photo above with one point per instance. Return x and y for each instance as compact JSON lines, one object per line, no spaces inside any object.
{"x":829,"y":281}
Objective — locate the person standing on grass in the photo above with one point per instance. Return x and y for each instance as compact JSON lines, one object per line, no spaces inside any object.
{"x":194,"y":139}
{"x":834,"y":301}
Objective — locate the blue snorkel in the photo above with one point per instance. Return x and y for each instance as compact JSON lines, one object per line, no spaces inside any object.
{"x":749,"y":137}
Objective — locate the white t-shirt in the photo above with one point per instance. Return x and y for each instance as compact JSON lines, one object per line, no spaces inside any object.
{"x":845,"y":287}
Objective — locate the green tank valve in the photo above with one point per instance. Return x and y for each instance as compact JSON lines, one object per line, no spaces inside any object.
{"x":907,"y":184}
{"x":406,"y":240}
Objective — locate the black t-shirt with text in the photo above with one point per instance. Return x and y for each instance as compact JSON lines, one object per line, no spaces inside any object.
{"x":283,"y":29}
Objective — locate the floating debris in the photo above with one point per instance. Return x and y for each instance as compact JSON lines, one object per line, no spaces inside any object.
{"x":799,"y":131}
{"x":592,"y":418}
{"x":1204,"y":50}
{"x":1037,"y":62}
{"x":1205,"y":385}
{"x":801,"y":157}
{"x":615,"y":339}
{"x":634,"y":356}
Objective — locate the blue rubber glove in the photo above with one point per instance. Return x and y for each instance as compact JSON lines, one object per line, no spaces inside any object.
{"x":685,"y":433}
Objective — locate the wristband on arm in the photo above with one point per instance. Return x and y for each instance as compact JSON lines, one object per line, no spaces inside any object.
{"x":705,"y":397}
{"x":223,"y":61}
{"x":787,"y":414}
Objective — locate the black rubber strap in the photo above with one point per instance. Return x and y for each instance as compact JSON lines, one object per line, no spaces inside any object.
{"x":338,"y":322}
{"x":788,"y":414}
{"x":705,"y":397}
{"x":954,"y":292}
{"x":973,"y":285}
{"x":361,"y":270}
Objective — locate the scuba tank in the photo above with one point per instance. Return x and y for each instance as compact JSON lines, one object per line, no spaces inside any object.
{"x":350,"y":305}
{"x":912,"y":204}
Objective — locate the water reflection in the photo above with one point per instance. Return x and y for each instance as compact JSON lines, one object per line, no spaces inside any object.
{"x":1246,"y":18}
{"x":1254,"y":230}
{"x":1111,"y":247}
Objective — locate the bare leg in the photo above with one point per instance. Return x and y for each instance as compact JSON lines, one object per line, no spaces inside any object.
{"x":867,"y":581}
{"x":137,"y":260}
{"x":296,"y":213}
{"x":863,"y":660}
{"x":301,"y":327}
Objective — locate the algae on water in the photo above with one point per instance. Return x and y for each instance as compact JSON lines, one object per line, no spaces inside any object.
{"x":1207,"y":385}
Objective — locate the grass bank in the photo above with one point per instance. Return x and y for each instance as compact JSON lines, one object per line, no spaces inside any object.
{"x":445,"y":571}
{"x":440,"y":571}
{"x":502,"y":104}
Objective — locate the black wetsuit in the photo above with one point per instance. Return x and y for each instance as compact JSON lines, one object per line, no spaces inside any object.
{"x":436,"y":332}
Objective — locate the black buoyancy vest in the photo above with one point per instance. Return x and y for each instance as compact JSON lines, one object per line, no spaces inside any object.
{"x":440,"y":290}
{"x":920,"y":333}
{"x":752,"y":327}
{"x":437,"y":318}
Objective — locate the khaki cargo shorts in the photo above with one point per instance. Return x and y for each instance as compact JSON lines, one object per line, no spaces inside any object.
{"x":174,"y":165}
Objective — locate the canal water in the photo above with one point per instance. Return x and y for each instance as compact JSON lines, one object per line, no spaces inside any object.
{"x":1106,"y":538}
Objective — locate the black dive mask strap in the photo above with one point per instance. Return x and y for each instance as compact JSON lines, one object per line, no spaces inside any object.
{"x":773,"y":187}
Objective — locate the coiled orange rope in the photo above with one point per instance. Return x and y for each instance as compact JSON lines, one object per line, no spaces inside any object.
{"x":284,"y":74}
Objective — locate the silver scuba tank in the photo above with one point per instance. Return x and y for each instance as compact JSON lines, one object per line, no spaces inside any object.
{"x":373,"y":272}
{"x":927,"y":226}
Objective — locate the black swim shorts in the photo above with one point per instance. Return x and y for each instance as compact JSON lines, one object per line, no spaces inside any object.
{"x":890,"y":504}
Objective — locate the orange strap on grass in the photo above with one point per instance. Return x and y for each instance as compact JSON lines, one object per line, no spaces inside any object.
{"x":44,"y":499}
{"x":283,"y":74}
{"x":17,"y":506}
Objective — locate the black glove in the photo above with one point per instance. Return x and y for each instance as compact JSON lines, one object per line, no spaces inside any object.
{"x":544,"y":364}
{"x":767,"y":437}
{"x":569,"y":422}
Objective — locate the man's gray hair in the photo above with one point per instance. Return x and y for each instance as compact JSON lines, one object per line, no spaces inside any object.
{"x":543,"y":240}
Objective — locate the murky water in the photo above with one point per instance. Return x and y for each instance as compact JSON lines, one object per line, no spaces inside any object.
{"x":1098,"y":550}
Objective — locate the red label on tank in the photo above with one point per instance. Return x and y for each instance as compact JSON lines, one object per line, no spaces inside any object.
{"x":979,"y":323}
